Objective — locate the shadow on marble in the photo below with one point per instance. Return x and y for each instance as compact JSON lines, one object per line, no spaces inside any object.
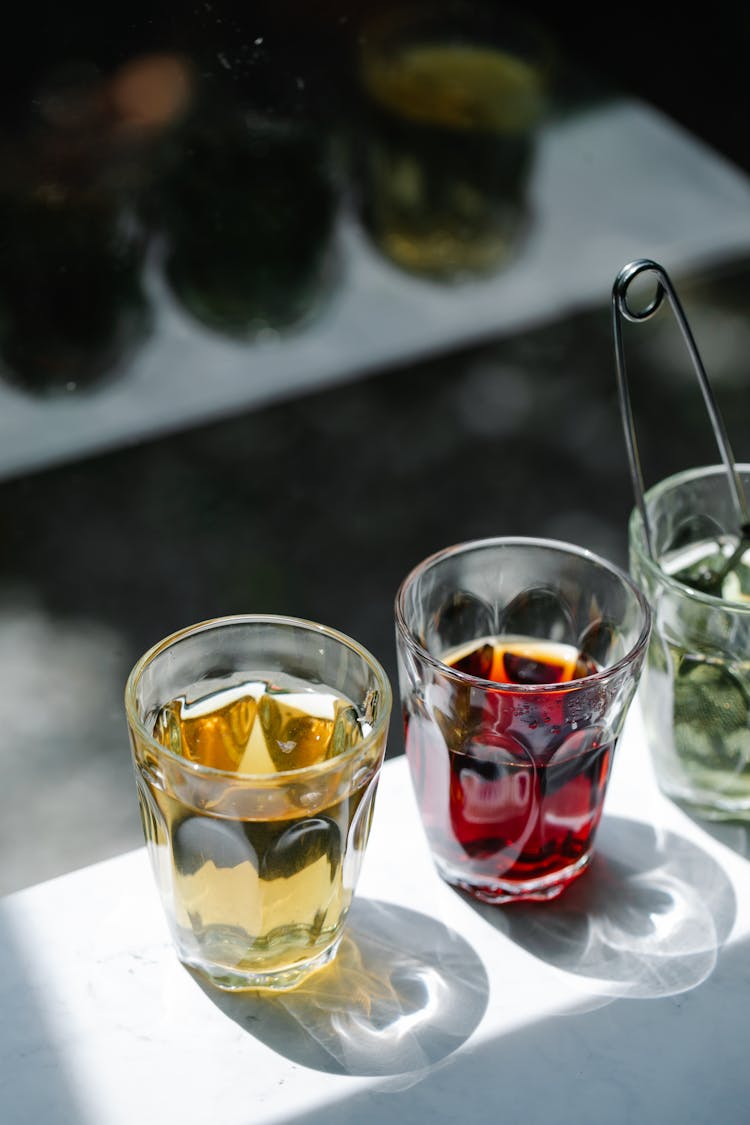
{"x":647,"y":920}
{"x":668,"y":1059}
{"x":34,"y":1085}
{"x":403,"y":993}
{"x":733,"y":834}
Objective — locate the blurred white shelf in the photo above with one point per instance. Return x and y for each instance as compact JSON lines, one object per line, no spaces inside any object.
{"x":624,"y":1001}
{"x":614,"y":183}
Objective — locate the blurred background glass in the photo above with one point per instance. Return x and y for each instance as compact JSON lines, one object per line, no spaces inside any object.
{"x":245,"y":198}
{"x":72,"y":306}
{"x":452,"y":96}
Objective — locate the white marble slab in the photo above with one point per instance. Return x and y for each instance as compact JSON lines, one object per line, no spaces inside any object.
{"x":625,"y":1002}
{"x":617,"y":182}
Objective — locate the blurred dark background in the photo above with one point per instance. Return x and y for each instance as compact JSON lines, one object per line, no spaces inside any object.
{"x":690,"y":63}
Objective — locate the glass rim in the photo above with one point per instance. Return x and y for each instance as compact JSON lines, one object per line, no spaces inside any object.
{"x":197,"y":769}
{"x":563,"y":548}
{"x":638,"y":541}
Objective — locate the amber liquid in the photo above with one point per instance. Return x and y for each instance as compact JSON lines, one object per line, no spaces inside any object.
{"x":259,"y":875}
{"x":511,"y":784}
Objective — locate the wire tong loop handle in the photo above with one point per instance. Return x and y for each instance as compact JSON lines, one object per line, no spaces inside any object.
{"x":623,"y":310}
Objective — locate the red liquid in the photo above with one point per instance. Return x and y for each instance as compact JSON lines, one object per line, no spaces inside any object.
{"x":511,"y":784}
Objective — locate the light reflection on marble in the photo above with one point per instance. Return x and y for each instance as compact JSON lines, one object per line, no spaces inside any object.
{"x":403,"y":994}
{"x":647,"y":919}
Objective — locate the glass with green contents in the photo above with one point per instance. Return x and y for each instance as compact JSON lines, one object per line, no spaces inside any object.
{"x":690,"y":552}
{"x":695,"y":691}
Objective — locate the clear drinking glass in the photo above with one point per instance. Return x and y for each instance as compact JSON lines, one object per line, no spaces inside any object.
{"x":696,"y":685}
{"x":257,"y":744}
{"x":518,"y":660}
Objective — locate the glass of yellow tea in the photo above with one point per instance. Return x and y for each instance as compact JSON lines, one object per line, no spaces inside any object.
{"x":257,"y":744}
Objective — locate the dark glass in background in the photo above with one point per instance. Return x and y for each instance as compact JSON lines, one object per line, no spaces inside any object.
{"x":245,"y":206}
{"x":72,"y":306}
{"x":246,"y":194}
{"x":188,"y":145}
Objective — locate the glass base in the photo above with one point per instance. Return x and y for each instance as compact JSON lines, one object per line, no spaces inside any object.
{"x":708,"y":806}
{"x":275,"y":980}
{"x":499,"y":891}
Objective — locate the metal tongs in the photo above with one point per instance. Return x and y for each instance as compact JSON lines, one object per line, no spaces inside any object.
{"x":709,"y":581}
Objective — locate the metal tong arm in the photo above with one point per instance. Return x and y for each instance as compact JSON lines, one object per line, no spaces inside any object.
{"x":621,"y":309}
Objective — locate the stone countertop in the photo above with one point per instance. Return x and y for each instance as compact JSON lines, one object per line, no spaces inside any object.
{"x":624,"y":1000}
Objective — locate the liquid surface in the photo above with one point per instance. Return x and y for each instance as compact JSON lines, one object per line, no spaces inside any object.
{"x":260,"y":726}
{"x":248,"y":891}
{"x":520,"y":660}
{"x":461,"y":86}
{"x":701,"y":566}
{"x":511,"y":784}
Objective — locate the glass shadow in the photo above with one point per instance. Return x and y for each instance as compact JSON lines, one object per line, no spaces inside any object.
{"x":647,"y":919}
{"x":403,"y":993}
{"x":35,"y":1084}
{"x":733,"y":834}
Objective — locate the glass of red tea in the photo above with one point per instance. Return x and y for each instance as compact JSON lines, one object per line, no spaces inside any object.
{"x":518,"y":661}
